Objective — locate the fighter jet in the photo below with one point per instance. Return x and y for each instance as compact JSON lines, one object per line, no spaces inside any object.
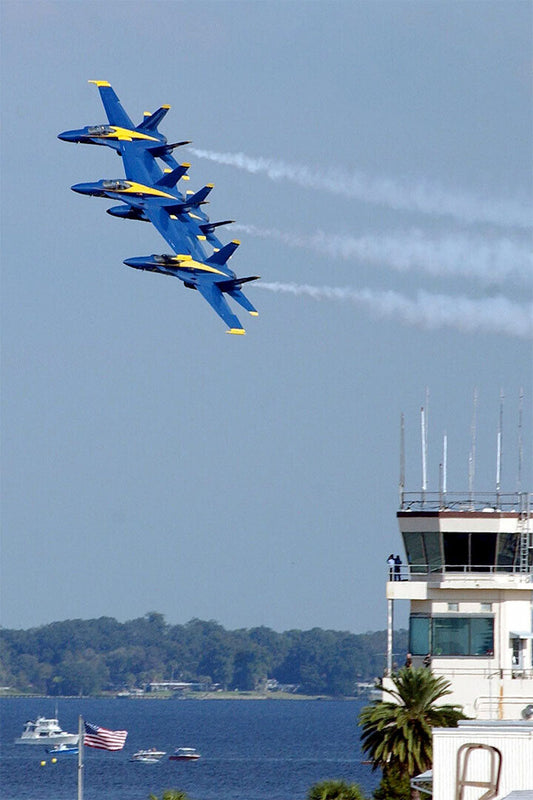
{"x":167,"y":211}
{"x":150,"y":143}
{"x":149,"y":194}
{"x":211,"y":275}
{"x":212,"y":278}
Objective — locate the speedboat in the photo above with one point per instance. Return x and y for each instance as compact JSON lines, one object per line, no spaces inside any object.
{"x":63,"y":750}
{"x":45,"y":731}
{"x":184,"y":754}
{"x":148,"y":756}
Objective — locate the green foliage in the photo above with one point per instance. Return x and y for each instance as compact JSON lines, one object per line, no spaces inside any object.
{"x":335,"y":790}
{"x":394,"y":785}
{"x":171,"y":794}
{"x":398,"y":733}
{"x":81,"y":657}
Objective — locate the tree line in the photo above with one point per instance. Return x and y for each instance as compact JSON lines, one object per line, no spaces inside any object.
{"x":86,"y":657}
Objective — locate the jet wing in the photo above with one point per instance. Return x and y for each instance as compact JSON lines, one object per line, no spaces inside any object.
{"x":115,"y":113}
{"x":208,"y":289}
{"x":139,"y":164}
{"x":176,"y":232}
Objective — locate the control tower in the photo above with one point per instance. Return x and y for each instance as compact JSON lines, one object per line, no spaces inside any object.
{"x":469,"y":580}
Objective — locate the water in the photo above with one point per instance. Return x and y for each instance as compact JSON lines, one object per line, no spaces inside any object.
{"x":251,"y":749}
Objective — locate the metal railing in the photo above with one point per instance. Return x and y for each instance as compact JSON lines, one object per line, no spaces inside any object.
{"x":513,"y":502}
{"x":419,"y":572}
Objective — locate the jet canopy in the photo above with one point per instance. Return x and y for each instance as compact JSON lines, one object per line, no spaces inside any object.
{"x":100,"y":130}
{"x":117,"y":185}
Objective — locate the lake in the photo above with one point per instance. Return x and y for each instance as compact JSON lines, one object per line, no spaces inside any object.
{"x":251,"y":749}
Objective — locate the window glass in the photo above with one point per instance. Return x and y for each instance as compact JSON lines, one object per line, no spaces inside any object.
{"x":483,"y":549}
{"x":481,"y":636}
{"x":507,"y":550}
{"x":415,"y":551}
{"x":433,"y":553}
{"x":450,"y":636}
{"x":456,"y":551}
{"x":419,"y":635}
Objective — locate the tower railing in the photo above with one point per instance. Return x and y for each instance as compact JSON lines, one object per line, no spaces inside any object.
{"x":512,"y":502}
{"x":422,"y":572}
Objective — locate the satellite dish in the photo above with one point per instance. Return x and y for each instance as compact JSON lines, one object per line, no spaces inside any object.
{"x":527,"y":712}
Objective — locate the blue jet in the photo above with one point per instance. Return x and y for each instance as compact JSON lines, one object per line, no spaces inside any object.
{"x":211,"y":275}
{"x":150,"y":194}
{"x":120,"y":133}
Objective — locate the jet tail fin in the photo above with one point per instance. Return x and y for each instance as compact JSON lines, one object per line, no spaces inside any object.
{"x":224,"y":254}
{"x":199,"y":197}
{"x":170,"y":179}
{"x":151,"y":121}
{"x":115,"y":113}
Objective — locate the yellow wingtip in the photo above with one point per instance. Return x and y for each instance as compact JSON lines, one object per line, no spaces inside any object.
{"x":100,"y":83}
{"x":238,"y":331}
{"x":254,"y":313}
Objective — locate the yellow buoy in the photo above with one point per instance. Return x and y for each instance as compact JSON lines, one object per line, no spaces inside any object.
{"x":54,"y":761}
{"x":43,"y":763}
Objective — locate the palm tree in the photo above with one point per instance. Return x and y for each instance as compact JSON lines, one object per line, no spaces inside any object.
{"x":397,"y":734}
{"x":335,"y":790}
{"x":171,"y":794}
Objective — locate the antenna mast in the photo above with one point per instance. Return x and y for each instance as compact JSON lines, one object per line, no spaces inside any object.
{"x":423,"y":433}
{"x":402,"y":459}
{"x":444,"y":464}
{"x":472,"y":459}
{"x":520,"y":453}
{"x":499,"y":447}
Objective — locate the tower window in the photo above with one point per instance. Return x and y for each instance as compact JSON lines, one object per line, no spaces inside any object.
{"x":451,"y":635}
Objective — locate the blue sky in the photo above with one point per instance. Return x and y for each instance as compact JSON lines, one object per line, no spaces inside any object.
{"x":377,"y":159}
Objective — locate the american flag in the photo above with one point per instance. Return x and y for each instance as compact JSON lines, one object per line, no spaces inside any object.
{"x":103,"y":739}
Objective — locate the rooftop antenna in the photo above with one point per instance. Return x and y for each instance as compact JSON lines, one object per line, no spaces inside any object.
{"x":499,"y":448}
{"x":423,"y":434}
{"x":472,"y":458}
{"x":520,"y":452}
{"x":402,"y":459}
{"x":444,"y":464}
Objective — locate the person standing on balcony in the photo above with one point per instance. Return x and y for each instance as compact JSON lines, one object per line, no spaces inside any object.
{"x":397,"y":568}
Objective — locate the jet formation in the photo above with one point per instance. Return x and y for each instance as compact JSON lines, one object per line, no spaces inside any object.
{"x":149,"y":193}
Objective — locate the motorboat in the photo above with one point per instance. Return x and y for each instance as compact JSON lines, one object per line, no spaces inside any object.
{"x":184,"y":754}
{"x":64,"y":750}
{"x":45,"y":731}
{"x":148,"y":756}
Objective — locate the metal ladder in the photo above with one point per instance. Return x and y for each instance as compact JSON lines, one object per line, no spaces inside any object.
{"x":526,"y":535}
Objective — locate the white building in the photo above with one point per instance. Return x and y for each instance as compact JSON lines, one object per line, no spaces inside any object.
{"x":469,"y":580}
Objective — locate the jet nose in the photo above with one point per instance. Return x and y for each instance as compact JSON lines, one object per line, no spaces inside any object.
{"x":68,"y":136}
{"x":137,"y":263}
{"x":83,"y":188}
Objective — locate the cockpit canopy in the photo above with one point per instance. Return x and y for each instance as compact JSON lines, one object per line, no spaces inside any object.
{"x":163,"y":259}
{"x":116,"y":185}
{"x":100,"y":130}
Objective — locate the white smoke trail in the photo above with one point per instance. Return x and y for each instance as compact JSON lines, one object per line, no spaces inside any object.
{"x":489,"y":315}
{"x":420,"y":197}
{"x":490,"y":262}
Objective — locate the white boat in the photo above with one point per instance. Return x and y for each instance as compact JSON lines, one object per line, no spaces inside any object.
{"x":148,"y":756}
{"x":184,"y":754}
{"x":63,"y":750}
{"x":45,"y":731}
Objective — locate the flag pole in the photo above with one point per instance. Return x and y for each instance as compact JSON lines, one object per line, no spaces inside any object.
{"x":80,"y":757}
